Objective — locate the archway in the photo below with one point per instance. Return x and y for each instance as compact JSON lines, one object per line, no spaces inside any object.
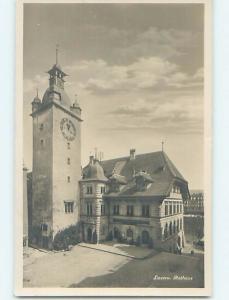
{"x":170,"y":228}
{"x":145,"y":237}
{"x":116,"y":233}
{"x":179,"y":241}
{"x":174,"y":227}
{"x":95,"y":237}
{"x":129,"y":233}
{"x":89,"y":234}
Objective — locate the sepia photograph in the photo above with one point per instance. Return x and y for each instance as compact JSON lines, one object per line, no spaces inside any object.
{"x":114,"y":148}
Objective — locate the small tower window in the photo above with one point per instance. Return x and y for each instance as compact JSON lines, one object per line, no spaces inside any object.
{"x":68,"y":207}
{"x":89,"y":189}
{"x":102,"y":210}
{"x":41,"y":126}
{"x":69,"y":146}
{"x":42,"y":143}
{"x":103,"y":189}
{"x":69,"y":162}
{"x":44,"y":227}
{"x":89,"y":209}
{"x":69,"y":179}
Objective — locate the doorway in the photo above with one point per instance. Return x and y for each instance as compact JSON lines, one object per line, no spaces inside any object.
{"x":89,"y":234}
{"x":145,"y":237}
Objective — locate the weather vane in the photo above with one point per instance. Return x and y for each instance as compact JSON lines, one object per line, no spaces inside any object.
{"x":162,"y":146}
{"x":57,"y":49}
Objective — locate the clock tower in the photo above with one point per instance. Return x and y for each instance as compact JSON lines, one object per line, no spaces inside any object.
{"x":56,"y":160}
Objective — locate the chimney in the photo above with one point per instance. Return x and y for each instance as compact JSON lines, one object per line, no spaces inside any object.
{"x":91,"y":159}
{"x":132,"y":154}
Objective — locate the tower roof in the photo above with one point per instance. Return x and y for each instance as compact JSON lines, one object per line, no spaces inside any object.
{"x":64,"y":99}
{"x":57,"y":67}
{"x":36,"y":99}
{"x":94,"y":171}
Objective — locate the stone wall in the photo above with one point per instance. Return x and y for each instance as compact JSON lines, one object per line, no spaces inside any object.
{"x":64,"y":191}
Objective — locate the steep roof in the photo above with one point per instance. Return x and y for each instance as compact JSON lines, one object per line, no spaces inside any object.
{"x":64,"y":99}
{"x":157,"y":164}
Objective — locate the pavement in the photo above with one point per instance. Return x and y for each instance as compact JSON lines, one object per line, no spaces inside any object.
{"x":63,"y":269}
{"x":109,"y":265}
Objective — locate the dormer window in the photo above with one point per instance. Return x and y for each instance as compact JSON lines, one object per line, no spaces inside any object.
{"x":143,"y":180}
{"x":115,"y":182}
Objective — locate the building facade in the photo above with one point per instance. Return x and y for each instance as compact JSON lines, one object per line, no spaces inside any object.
{"x":135,"y":199}
{"x":195,"y":204}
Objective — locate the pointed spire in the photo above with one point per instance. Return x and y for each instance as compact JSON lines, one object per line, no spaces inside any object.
{"x":36,"y":98}
{"x":57,"y":49}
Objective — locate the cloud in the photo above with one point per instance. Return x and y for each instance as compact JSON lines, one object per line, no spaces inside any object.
{"x":166,"y":43}
{"x":178,"y":114}
{"x":38,"y":82}
{"x":99,"y":77}
{"x":137,"y":108}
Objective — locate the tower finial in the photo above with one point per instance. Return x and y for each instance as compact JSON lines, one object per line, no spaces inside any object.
{"x":162,"y":146}
{"x":57,"y":49}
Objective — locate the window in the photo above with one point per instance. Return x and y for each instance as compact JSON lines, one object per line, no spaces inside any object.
{"x":116,"y":209}
{"x":44,"y":227}
{"x":170,"y":208}
{"x":178,"y":208}
{"x":130,"y":210}
{"x":68,"y":160}
{"x":145,"y":210}
{"x":69,"y":179}
{"x":89,"y":209}
{"x":102,"y":209}
{"x":41,"y":126}
{"x":178,"y":225}
{"x":166,"y":209}
{"x":69,"y":146}
{"x":42,"y":143}
{"x":103,"y":189}
{"x":89,"y":189}
{"x":174,"y":208}
{"x":68,"y":207}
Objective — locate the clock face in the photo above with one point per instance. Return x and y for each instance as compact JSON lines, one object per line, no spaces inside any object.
{"x":68,"y":129}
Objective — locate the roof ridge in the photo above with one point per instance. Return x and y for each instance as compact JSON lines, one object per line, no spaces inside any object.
{"x":172,"y":168}
{"x":127,"y":157}
{"x":165,"y":158}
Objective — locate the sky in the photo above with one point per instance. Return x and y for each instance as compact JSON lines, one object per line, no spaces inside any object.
{"x":137,"y":70}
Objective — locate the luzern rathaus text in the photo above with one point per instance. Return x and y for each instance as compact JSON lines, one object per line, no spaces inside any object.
{"x":139,"y":197}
